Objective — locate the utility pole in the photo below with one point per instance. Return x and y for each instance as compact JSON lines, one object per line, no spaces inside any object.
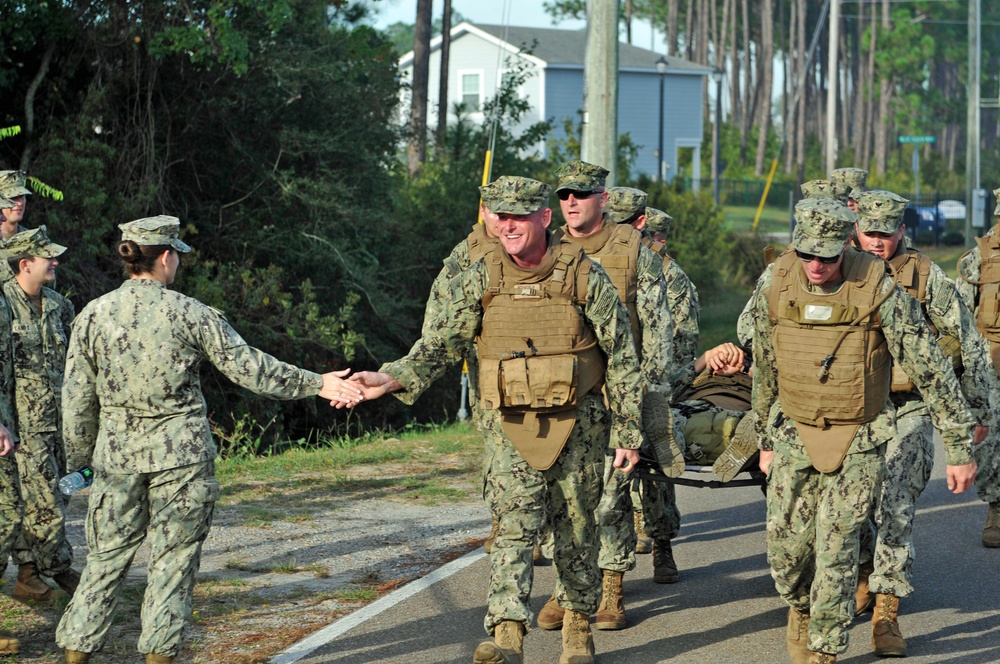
{"x":600,"y":87}
{"x":833,"y":74}
{"x":972,"y":121}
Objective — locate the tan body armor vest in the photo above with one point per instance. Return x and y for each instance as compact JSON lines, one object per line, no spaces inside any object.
{"x":537,"y":354}
{"x":480,"y":243}
{"x":657,"y":248}
{"x":988,"y":298}
{"x":820,"y":384}
{"x":616,"y":249}
{"x":912,"y":271}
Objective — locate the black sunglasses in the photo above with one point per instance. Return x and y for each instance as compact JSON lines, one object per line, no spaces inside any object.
{"x":828,"y":260}
{"x":564,"y":194}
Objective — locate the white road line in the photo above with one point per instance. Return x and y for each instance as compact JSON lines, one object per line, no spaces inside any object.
{"x":304,"y":647}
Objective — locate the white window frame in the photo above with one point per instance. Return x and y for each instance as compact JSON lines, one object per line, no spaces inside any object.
{"x":462,"y":73}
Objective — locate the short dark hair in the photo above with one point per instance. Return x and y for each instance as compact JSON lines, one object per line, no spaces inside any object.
{"x":15,"y":262}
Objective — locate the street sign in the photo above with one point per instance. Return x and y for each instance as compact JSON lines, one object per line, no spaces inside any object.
{"x":918,"y":139}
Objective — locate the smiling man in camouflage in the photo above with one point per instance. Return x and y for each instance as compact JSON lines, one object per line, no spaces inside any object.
{"x":549,"y":330}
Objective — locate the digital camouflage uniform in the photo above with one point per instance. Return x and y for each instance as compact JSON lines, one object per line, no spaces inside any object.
{"x":854,"y":179}
{"x":521,"y":496}
{"x":814,"y":518}
{"x":133,"y":410}
{"x":664,"y":522}
{"x":40,"y":332}
{"x":655,"y":346}
{"x":10,"y":491}
{"x":825,"y":189}
{"x":12,"y":184}
{"x":909,"y":455}
{"x":987,"y":453}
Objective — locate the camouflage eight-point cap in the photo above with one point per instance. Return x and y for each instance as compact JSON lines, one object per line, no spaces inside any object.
{"x":155,"y":231}
{"x":12,"y":184}
{"x":855,"y":179}
{"x":32,"y":243}
{"x":880,"y":211}
{"x":823,"y":226}
{"x":996,"y":195}
{"x":580,"y":176}
{"x":512,"y":194}
{"x":6,"y":203}
{"x":824,"y":189}
{"x":658,"y":221}
{"x":624,"y":204}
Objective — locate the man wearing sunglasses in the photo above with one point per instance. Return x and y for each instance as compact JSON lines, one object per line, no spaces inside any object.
{"x":909,"y":455}
{"x":979,"y":285}
{"x":637,"y":274}
{"x":828,"y":324}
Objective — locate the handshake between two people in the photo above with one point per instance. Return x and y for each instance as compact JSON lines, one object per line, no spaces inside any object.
{"x":345,"y":390}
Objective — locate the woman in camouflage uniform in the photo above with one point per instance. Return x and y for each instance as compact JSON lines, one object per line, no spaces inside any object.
{"x":133,"y":410}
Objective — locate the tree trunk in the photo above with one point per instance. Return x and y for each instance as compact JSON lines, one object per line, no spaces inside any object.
{"x":734,"y":69}
{"x":689,"y":31}
{"x":416,"y":153}
{"x":672,"y":32}
{"x":442,"y":125}
{"x":885,"y":90}
{"x":29,"y":107}
{"x":804,"y":82}
{"x":628,"y":21}
{"x":869,"y":93}
{"x":766,"y":71}
{"x":791,"y":78}
{"x":748,"y":84}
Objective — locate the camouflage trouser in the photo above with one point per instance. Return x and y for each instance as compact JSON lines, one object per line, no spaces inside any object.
{"x":524,"y":499}
{"x":174,"y":509}
{"x":43,"y":530}
{"x":813,"y":524}
{"x":615,"y":520}
{"x":909,"y":458}
{"x":987,"y":456}
{"x":10,"y":508}
{"x":658,"y":500}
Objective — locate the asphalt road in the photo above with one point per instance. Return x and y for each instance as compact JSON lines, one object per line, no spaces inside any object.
{"x":723,"y":609}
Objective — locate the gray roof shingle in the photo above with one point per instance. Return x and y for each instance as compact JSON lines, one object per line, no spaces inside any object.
{"x":568,"y":47}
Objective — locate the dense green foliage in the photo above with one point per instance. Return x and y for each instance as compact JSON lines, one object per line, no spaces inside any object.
{"x":267,"y":127}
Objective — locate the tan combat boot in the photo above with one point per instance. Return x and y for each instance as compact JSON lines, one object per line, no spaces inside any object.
{"x":9,"y":645}
{"x":153,"y":658}
{"x":611,"y":612}
{"x":68,"y":580}
{"x":821,"y":658}
{"x":863,"y":596}
{"x":742,"y":446}
{"x":30,"y":587}
{"x":991,"y":532}
{"x":507,"y":646}
{"x":488,"y":542}
{"x":797,"y":636}
{"x":658,"y":425}
{"x":77,"y":657}
{"x":664,"y":567}
{"x":887,"y":640}
{"x":643,"y":542}
{"x":551,"y":615}
{"x":577,"y":641}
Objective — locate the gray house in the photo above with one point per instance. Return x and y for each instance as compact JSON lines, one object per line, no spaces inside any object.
{"x":480,"y":53}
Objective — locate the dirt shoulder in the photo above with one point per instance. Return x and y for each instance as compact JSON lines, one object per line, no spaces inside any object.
{"x":289,"y":555}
